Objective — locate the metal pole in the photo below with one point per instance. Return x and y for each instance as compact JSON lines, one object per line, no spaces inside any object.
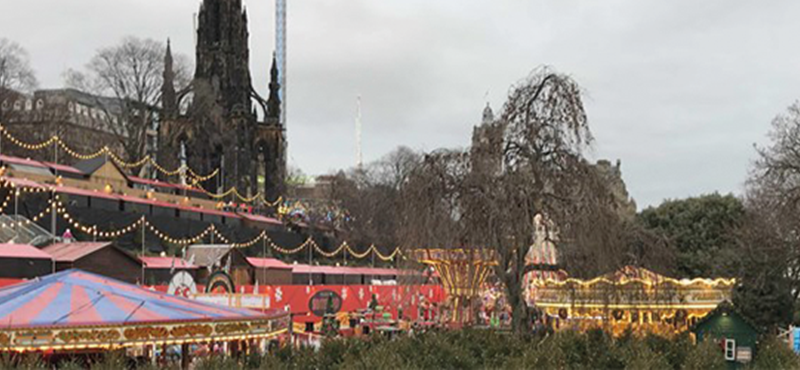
{"x":310,"y":257}
{"x":143,"y":234}
{"x":53,"y":222}
{"x":55,"y":155}
{"x":16,"y":209}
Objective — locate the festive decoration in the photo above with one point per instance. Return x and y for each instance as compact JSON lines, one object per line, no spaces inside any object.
{"x":94,"y":230}
{"x":103,"y":313}
{"x":631,"y":297}
{"x":55,"y":140}
{"x":463,"y":273}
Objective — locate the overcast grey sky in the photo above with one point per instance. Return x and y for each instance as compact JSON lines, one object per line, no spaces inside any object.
{"x":678,"y":90}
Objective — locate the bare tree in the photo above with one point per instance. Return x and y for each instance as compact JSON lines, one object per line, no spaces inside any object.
{"x":131,"y":74}
{"x":16,"y":74}
{"x":540,"y":170}
{"x":371,"y":196}
{"x":770,"y":238}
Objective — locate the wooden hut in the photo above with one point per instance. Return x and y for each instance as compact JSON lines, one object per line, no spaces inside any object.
{"x":735,"y":334}
{"x":212,"y":257}
{"x":102,"y":258}
{"x":23,"y":261}
{"x":270,"y":271}
{"x":159,"y":270}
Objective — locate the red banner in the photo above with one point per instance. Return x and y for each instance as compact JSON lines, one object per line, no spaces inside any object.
{"x":353,"y":298}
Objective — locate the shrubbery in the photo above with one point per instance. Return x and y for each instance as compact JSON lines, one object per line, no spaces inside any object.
{"x":482,"y":349}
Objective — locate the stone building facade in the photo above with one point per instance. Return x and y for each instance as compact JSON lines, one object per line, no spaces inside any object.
{"x":221,"y":126}
{"x":86,"y":122}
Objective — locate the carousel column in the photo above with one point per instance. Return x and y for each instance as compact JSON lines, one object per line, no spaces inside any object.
{"x":151,"y":353}
{"x":163,"y":358}
{"x":185,"y":356}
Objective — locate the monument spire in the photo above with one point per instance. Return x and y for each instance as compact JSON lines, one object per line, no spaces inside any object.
{"x":168,"y":98}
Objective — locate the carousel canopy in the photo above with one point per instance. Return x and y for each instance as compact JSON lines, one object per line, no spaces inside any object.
{"x":78,"y":298}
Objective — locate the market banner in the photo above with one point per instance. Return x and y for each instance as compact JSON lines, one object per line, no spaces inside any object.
{"x":304,"y":300}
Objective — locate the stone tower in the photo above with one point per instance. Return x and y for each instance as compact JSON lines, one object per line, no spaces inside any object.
{"x":486,"y":152}
{"x":220,"y":128}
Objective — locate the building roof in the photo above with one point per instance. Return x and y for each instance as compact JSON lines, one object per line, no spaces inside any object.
{"x":157,"y":262}
{"x":269,"y":263}
{"x":86,"y":193}
{"x":39,"y":164}
{"x":312,"y":269}
{"x":22,"y":251}
{"x":260,"y":218}
{"x":89,"y":166}
{"x":343,"y":270}
{"x":207,"y":254}
{"x":71,"y":252}
{"x":160,"y":184}
{"x":78,"y":298}
{"x":723,"y":308}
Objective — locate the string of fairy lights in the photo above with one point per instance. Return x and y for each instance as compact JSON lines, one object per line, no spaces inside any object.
{"x":235,"y":192}
{"x":55,"y":140}
{"x":142,"y":222}
{"x":196,"y":178}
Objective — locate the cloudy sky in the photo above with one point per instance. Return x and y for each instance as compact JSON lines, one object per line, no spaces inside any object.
{"x":678,"y":90}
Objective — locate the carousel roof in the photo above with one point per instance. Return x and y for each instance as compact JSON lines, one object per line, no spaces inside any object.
{"x":632,"y":274}
{"x":78,"y":298}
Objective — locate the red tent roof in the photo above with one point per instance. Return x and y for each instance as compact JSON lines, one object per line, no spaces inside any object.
{"x":34,"y":163}
{"x":22,"y":251}
{"x":311,"y":269}
{"x":70,"y":252}
{"x":271,"y":263}
{"x":158,"y":262}
{"x":156,"y":183}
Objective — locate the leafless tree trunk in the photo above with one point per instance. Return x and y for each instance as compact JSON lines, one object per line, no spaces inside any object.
{"x":774,"y":184}
{"x":16,"y":74}
{"x":371,"y":196}
{"x":126,"y":80}
{"x":542,"y":170}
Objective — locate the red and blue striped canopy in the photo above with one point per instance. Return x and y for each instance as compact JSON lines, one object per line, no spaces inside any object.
{"x":79,"y":298}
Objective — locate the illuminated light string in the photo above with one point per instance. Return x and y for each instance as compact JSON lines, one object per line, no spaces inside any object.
{"x":328,"y":254}
{"x":31,"y":220}
{"x":199,"y":178}
{"x":61,"y":210}
{"x":196,"y":178}
{"x":7,"y":200}
{"x":233,"y":190}
{"x":55,"y":140}
{"x":648,"y":282}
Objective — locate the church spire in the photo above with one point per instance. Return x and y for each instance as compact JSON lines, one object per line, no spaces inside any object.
{"x":168,"y":98}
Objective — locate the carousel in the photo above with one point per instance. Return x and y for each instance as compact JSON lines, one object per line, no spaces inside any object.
{"x":631,"y":298}
{"x":463,"y":273}
{"x":79,"y":312}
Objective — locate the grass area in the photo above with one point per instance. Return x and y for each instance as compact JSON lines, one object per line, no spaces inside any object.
{"x":476,"y":349}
